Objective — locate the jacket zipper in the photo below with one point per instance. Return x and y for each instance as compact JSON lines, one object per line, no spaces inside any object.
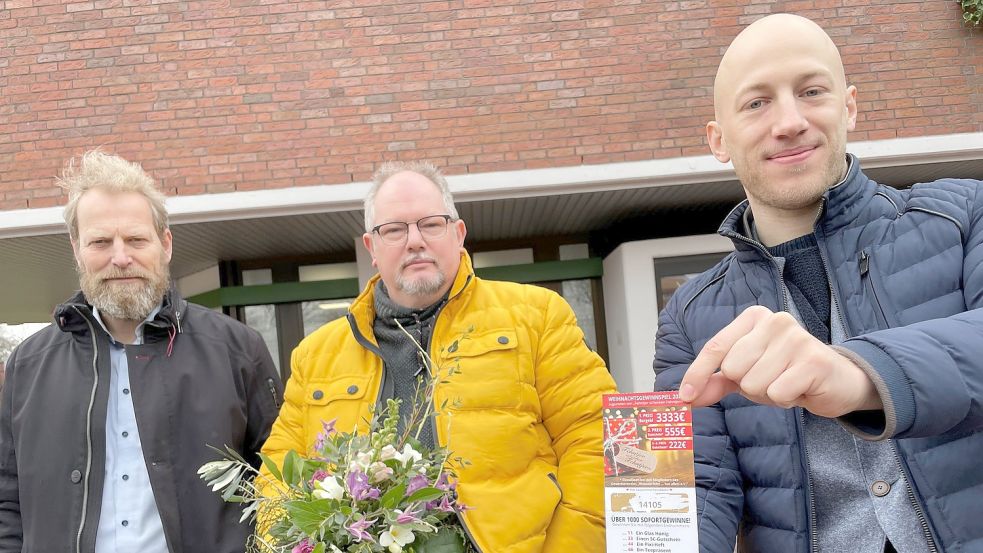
{"x":813,"y":532}
{"x":88,"y":432}
{"x":832,"y":293}
{"x":460,"y":517}
{"x":869,"y":284}
{"x":926,"y":529}
{"x":433,"y":427}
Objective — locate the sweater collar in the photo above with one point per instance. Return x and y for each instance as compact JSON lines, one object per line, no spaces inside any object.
{"x":361,"y":313}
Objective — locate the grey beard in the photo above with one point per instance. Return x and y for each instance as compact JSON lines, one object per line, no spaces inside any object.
{"x":420,"y":287}
{"x":126,"y":302}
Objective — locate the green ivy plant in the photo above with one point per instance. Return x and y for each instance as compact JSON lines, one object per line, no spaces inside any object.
{"x":972,"y":11}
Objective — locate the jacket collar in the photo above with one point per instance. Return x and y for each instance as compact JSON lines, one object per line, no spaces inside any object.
{"x":840,"y":206}
{"x":361,"y":314}
{"x":72,"y":316}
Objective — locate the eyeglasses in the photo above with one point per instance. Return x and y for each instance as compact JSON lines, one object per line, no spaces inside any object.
{"x":395,"y":233}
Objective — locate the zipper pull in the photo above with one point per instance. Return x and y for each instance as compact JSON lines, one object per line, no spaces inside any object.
{"x":272,"y":386}
{"x":864,"y":263}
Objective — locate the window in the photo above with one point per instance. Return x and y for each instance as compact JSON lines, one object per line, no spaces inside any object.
{"x":319,"y":313}
{"x":673,"y":272}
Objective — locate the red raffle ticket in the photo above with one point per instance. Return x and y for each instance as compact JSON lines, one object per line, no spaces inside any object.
{"x":649,"y":487}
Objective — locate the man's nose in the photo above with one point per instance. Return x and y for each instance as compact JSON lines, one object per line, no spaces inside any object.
{"x":414,"y":238}
{"x":121,"y":253}
{"x":789,"y":119}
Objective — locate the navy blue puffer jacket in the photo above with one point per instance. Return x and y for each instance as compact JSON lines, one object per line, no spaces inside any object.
{"x":913,"y":312}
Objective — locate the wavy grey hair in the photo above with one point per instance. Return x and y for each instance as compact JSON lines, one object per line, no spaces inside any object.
{"x":97,"y":169}
{"x":390,"y":168}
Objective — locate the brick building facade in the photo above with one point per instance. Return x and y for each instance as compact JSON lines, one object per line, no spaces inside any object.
{"x":226,"y":96}
{"x":564,"y":124}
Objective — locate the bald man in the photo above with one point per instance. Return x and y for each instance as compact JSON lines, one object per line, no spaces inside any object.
{"x":838,"y":352}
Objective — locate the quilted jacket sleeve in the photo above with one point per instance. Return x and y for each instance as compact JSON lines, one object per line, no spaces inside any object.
{"x":571,"y":379}
{"x":929,"y":373}
{"x":720,"y":496}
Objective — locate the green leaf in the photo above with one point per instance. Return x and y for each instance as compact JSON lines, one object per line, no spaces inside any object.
{"x":424,"y":494}
{"x":233,"y":487}
{"x":446,"y":540}
{"x":392,"y":497}
{"x":271,"y":466}
{"x":289,"y":461}
{"x":308,"y":515}
{"x":319,"y":548}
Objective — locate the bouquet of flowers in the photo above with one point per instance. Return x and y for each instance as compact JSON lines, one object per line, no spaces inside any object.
{"x":381,"y":491}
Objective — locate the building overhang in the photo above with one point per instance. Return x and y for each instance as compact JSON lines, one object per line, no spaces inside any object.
{"x":37,"y":270}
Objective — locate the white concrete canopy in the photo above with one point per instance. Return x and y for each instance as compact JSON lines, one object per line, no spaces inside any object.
{"x":37,"y":270}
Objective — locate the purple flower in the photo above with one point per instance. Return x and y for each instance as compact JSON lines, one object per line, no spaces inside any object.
{"x":357,"y":529}
{"x":319,"y":474}
{"x":443,"y":484}
{"x":446,"y":505}
{"x":418,"y":482}
{"x":322,"y":437}
{"x":359,"y":488}
{"x":305,"y":546}
{"x":408,"y":516}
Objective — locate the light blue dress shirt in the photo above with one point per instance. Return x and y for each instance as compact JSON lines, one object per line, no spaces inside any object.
{"x":129,"y":520}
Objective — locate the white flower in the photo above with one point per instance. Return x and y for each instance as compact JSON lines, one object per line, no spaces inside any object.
{"x":360,"y":462}
{"x":329,"y":488}
{"x":379,"y":472}
{"x":386,"y":453}
{"x":409,"y":453}
{"x":396,"y":537}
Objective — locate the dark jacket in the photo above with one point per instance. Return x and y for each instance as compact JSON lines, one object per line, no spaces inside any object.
{"x":200,"y":379}
{"x":906,"y":272}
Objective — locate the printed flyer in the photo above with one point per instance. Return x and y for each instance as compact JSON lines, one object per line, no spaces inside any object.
{"x":649,"y":487}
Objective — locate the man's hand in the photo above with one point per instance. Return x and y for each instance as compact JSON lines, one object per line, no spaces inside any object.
{"x":770,"y":359}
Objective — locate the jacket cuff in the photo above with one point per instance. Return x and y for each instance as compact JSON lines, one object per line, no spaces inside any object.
{"x":892,"y":386}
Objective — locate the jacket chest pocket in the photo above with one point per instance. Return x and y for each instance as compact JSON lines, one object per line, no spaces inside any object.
{"x":480,"y":371}
{"x":342,"y":399}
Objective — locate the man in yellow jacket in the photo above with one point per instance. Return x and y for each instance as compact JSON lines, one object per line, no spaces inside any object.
{"x":524,"y":408}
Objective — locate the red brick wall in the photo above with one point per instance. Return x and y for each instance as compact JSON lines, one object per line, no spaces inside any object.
{"x":229,"y":95}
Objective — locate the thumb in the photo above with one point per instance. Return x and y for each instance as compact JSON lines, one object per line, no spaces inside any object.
{"x":717,"y":387}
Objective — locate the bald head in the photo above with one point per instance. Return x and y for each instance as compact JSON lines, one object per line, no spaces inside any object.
{"x":792,"y":36}
{"x":782,"y":113}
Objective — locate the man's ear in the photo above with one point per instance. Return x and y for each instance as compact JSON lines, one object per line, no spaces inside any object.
{"x":461,"y":231}
{"x":715,"y":139}
{"x":367,"y":242}
{"x":167,"y":242}
{"x":851,"y":107}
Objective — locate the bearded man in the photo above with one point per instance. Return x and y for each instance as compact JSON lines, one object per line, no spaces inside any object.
{"x":107,"y":414}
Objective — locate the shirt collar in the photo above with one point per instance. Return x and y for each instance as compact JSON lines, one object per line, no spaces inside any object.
{"x":139,"y":330}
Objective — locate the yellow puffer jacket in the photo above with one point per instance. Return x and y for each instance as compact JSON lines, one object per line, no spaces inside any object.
{"x":525,"y":409}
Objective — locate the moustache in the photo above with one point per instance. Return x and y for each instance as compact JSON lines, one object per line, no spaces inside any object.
{"x":122,"y":274}
{"x":415,"y":258}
